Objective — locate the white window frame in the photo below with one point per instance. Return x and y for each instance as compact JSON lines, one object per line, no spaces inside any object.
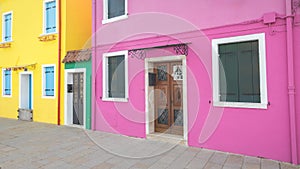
{"x":262,"y":66}
{"x":44,"y":81}
{"x":105,"y":13}
{"x":3,"y":26}
{"x":44,"y":17}
{"x":3,"y":84}
{"x":105,"y":76}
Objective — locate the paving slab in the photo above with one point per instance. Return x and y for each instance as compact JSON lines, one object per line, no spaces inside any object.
{"x":37,"y":145}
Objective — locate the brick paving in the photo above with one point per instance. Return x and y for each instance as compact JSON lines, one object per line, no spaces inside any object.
{"x":37,"y":145}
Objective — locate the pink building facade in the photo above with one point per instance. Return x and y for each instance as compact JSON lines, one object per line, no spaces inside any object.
{"x":221,"y":75}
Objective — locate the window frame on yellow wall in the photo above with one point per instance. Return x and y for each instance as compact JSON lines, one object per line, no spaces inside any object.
{"x":44,"y":81}
{"x":3,"y":83}
{"x":44,"y":18}
{"x":3,"y":26}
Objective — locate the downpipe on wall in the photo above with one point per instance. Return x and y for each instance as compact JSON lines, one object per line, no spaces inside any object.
{"x":291,"y":79}
{"x":94,"y":65}
{"x":59,"y":62}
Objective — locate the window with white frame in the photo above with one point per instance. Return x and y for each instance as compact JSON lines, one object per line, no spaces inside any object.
{"x":7,"y":27}
{"x":6,"y":82}
{"x":115,"y":76}
{"x":239,"y":71}
{"x":114,"y":10}
{"x":48,"y":80}
{"x":49,"y":16}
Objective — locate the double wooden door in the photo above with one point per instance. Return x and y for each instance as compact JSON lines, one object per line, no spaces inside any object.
{"x":169,"y":98}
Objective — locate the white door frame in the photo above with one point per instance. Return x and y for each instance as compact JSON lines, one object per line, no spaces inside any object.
{"x":67,"y":117}
{"x":20,"y":84}
{"x":149,"y":64}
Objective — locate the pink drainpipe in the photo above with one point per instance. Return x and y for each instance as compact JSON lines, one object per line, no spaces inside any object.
{"x":291,"y":80}
{"x":94,"y":37}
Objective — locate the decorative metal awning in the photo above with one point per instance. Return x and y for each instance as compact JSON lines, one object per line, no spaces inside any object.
{"x":5,"y":45}
{"x":180,"y":49}
{"x":20,"y":67}
{"x":295,"y":5}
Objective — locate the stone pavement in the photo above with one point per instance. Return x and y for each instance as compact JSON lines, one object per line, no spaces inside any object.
{"x":37,"y":145}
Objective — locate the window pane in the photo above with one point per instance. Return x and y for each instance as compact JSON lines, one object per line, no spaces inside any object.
{"x":7,"y":27}
{"x":256,"y":73}
{"x":7,"y":89}
{"x":229,"y":73}
{"x":241,"y":70}
{"x":115,"y":8}
{"x":50,"y":17}
{"x":248,"y":72}
{"x":116,"y":76}
{"x":49,"y":78}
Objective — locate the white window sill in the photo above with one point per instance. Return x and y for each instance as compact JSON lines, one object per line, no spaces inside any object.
{"x":48,"y":97}
{"x":241,"y":105}
{"x":115,"y":99}
{"x":7,"y":96}
{"x":4,"y":42}
{"x":47,"y":34}
{"x":105,"y":21}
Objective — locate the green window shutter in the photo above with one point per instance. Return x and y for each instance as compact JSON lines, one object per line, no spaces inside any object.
{"x":228,"y":78}
{"x":249,"y":72}
{"x":241,"y":70}
{"x":116,"y":76}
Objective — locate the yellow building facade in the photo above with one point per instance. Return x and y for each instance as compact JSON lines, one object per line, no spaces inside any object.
{"x":35,"y":36}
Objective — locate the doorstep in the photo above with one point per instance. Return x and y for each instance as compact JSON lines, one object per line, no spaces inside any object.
{"x":169,"y":138}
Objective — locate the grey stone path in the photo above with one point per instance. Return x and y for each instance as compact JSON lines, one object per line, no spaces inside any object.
{"x":36,"y":145}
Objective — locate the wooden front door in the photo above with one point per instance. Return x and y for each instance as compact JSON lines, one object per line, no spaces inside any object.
{"x":168,"y":98}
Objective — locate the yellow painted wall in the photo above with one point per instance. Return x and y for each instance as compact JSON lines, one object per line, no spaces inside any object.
{"x":27,"y":49}
{"x":76,"y":32}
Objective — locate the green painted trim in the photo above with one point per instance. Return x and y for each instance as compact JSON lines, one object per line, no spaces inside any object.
{"x":88,"y":66}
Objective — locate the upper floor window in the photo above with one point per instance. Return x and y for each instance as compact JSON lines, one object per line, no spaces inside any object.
{"x":6,"y":82}
{"x":49,"y":16}
{"x":239,"y":71}
{"x":114,"y":10}
{"x":48,"y":80}
{"x":115,"y":76}
{"x":7,"y":27}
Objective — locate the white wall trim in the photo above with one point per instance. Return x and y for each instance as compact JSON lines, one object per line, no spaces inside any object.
{"x":44,"y":84}
{"x":181,"y":58}
{"x":105,"y":76}
{"x":3,"y":84}
{"x":3,"y":26}
{"x":32,"y":87}
{"x":44,"y":18}
{"x":105,"y":13}
{"x":66,"y":117}
{"x":262,"y":66}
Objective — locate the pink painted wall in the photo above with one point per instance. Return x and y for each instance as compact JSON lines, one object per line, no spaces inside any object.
{"x":252,"y":132}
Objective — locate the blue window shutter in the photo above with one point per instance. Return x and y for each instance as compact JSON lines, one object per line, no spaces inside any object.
{"x":49,"y":88}
{"x":7,"y":89}
{"x":7,"y":27}
{"x":51,"y":17}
